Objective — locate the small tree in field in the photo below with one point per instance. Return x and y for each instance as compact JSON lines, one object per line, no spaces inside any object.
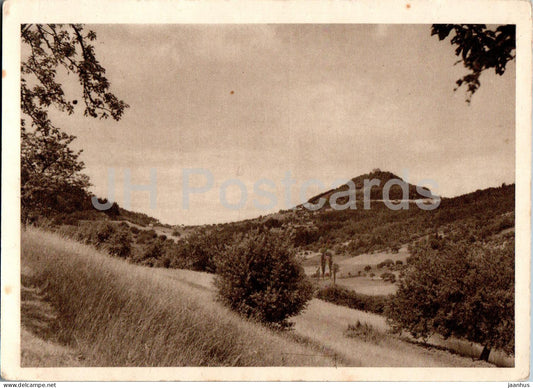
{"x":335,"y":269}
{"x":461,"y":291}
{"x":259,"y":277}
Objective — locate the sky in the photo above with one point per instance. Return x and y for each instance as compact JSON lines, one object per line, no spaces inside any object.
{"x":321,"y":103}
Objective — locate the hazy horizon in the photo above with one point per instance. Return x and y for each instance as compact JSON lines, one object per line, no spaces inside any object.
{"x":324,"y":102}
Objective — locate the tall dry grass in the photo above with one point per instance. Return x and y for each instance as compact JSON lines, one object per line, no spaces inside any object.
{"x":118,"y":314}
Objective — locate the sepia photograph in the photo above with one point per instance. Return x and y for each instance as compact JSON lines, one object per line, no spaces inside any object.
{"x":332,"y":194}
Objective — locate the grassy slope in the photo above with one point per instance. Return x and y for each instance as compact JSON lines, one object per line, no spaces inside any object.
{"x":99,"y":311}
{"x":37,"y":352}
{"x":324,"y":325}
{"x":327,"y":323}
{"x":83,"y":308}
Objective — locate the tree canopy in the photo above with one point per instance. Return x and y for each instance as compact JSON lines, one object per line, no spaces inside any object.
{"x":48,"y":165}
{"x":479,"y":48}
{"x":458,"y":290}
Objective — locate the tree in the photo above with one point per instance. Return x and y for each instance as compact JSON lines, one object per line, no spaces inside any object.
{"x":48,"y":167}
{"x":335,"y":269}
{"x":48,"y":164}
{"x":458,"y":291}
{"x":480,"y":49}
{"x":259,"y":277}
{"x":201,"y":249}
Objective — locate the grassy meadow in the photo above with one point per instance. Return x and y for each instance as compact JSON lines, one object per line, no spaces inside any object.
{"x":95,"y":310}
{"x":82,"y":307}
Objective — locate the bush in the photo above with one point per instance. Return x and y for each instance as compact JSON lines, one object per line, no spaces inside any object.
{"x":365,"y":332}
{"x":388,"y":276}
{"x":385,"y":263}
{"x":150,"y":254}
{"x":176,"y":233}
{"x":95,"y":233}
{"x":273,"y":223}
{"x":506,"y":222}
{"x":201,"y":250}
{"x":259,"y":277}
{"x":344,"y":297}
{"x":119,"y":244}
{"x":146,"y":236}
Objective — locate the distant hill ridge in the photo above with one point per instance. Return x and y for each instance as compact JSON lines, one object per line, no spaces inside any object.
{"x":376,"y":191}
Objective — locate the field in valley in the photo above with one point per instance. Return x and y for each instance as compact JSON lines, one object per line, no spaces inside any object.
{"x":352,"y":267}
{"x":82,"y":307}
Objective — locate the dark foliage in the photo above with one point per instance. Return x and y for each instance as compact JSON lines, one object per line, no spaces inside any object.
{"x":51,"y":176}
{"x":344,"y":297}
{"x":258,"y":277}
{"x":459,"y":289}
{"x":120,"y":243}
{"x":479,"y":49}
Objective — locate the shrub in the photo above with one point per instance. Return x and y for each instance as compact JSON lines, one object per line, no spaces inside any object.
{"x":385,"y":263}
{"x":365,"y":332}
{"x":367,"y":268}
{"x":95,"y":233}
{"x":146,"y":236}
{"x":176,"y":233}
{"x":259,"y":277}
{"x":150,"y":253}
{"x":273,"y":223}
{"x":119,"y":244}
{"x":201,"y":250}
{"x":344,"y":297}
{"x":506,"y":222}
{"x":103,"y":232}
{"x":388,"y":276}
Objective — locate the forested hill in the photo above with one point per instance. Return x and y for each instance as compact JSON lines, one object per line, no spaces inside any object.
{"x":380,"y":178}
{"x":480,"y":214}
{"x":71,"y":205}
